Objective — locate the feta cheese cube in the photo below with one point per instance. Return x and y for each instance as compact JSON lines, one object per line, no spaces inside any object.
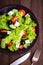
{"x":17,"y":24}
{"x":10,"y":13}
{"x":27,"y":15}
{"x":8,"y":32}
{"x":27,"y":41}
{"x":17,"y":45}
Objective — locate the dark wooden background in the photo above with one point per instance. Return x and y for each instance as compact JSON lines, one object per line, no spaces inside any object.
{"x":36,"y":7}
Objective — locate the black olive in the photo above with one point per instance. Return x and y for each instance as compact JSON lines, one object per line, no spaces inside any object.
{"x":3,"y":35}
{"x":22,"y":42}
{"x":9,"y":22}
{"x":6,"y":14}
{"x":0,"y":36}
{"x":24,"y":17}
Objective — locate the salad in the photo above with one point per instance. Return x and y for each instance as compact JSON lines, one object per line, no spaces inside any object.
{"x":18,"y":30}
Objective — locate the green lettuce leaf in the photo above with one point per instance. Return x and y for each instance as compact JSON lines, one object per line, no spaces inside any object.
{"x":3,"y":21}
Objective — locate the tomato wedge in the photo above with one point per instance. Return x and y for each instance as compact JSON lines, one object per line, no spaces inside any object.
{"x":22,"y":11}
{"x":21,"y":47}
{"x":14,"y":19}
{"x":34,"y":29}
{"x":24,"y":34}
{"x":10,"y":43}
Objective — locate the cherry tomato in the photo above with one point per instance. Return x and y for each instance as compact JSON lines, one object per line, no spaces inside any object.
{"x":22,"y":11}
{"x":14,"y":19}
{"x":21,"y":47}
{"x":24,"y":34}
{"x":34,"y":29}
{"x":10,"y":43}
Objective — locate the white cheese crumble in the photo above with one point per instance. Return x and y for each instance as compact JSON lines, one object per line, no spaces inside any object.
{"x":17,"y":45}
{"x":10,"y":13}
{"x":27,"y":15}
{"x":27,"y":41}
{"x":17,"y":24}
{"x":8,"y":32}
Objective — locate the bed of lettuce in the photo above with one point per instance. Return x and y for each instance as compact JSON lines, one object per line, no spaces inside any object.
{"x":26,"y":23}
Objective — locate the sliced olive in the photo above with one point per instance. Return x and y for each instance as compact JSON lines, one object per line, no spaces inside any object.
{"x":9,"y":22}
{"x":0,"y":36}
{"x":24,"y":17}
{"x":6,"y":14}
{"x":22,"y":42}
{"x":3,"y":35}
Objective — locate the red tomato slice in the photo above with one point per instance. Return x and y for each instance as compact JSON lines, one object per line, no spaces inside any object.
{"x":21,"y":47}
{"x":10,"y":43}
{"x":24,"y":34}
{"x":14,"y":19}
{"x":34,"y":29}
{"x":22,"y":11}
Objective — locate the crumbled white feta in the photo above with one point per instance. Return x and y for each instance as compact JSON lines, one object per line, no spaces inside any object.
{"x":8,"y":32}
{"x":17,"y":45}
{"x":17,"y":24}
{"x":10,"y":13}
{"x":27,"y":15}
{"x":27,"y":41}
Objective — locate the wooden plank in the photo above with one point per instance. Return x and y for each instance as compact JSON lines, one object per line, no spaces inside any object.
{"x":14,"y":1}
{"x":4,"y":59}
{"x":36,"y":7}
{"x":26,"y":3}
{"x":4,"y":2}
{"x":42,"y":36}
{"x":7,"y":2}
{"x":0,"y":58}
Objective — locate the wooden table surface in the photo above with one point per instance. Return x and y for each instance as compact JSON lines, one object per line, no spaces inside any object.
{"x":36,"y":7}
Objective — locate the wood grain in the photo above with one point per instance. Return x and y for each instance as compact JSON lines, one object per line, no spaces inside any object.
{"x":26,"y":3}
{"x":4,"y":59}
